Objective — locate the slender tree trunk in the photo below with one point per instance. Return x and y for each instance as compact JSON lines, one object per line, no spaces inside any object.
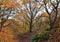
{"x":31,"y":22}
{"x":51,"y":26}
{"x":1,"y":24}
{"x":31,"y":26}
{"x":0,"y":27}
{"x":50,"y":23}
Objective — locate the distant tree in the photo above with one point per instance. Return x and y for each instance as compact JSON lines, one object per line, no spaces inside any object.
{"x":53,"y":6}
{"x":32,"y":8}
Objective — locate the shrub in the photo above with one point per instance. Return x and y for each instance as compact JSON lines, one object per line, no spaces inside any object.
{"x":43,"y":36}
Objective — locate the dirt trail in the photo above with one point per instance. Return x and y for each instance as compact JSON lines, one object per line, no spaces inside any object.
{"x":28,"y":36}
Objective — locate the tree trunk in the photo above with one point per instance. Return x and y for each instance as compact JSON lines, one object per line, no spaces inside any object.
{"x":31,"y":25}
{"x":1,"y":24}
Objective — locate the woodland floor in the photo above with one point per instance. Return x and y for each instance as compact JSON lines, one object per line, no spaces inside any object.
{"x":55,"y":37}
{"x":28,"y":36}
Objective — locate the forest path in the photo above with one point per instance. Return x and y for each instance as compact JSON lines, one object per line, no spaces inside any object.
{"x":28,"y":36}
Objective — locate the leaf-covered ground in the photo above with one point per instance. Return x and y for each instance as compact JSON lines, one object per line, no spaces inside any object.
{"x":55,"y":37}
{"x":8,"y":36}
{"x":12,"y":33}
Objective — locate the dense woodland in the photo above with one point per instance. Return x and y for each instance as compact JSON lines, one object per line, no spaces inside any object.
{"x":29,"y":20}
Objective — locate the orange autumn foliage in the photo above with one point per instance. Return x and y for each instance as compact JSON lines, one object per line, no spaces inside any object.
{"x":25,"y":1}
{"x":6,"y":35}
{"x":9,"y":4}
